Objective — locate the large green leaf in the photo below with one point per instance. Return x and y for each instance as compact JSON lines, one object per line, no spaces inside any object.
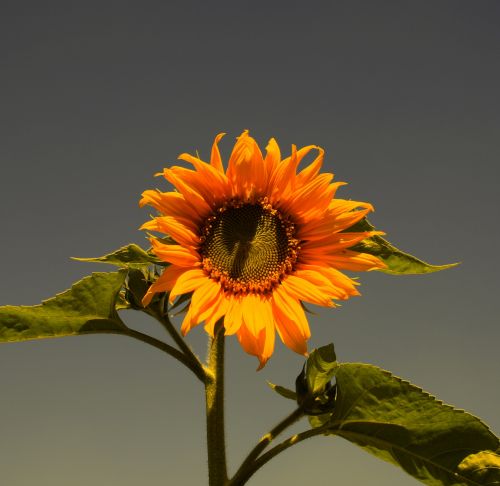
{"x":398,"y":422}
{"x":130,"y":256}
{"x":483,"y":467}
{"x":136,"y":287}
{"x":398,"y":262}
{"x":88,"y":307}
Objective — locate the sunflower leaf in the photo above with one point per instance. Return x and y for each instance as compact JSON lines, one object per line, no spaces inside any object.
{"x":398,"y":262}
{"x":136,"y":287}
{"x":284,"y":392}
{"x":399,"y":423}
{"x":483,"y":468}
{"x":88,"y":307}
{"x":121,"y":302}
{"x":130,"y":256}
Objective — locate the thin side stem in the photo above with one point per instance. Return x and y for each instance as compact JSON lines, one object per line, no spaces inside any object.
{"x":263,"y":443}
{"x":197,"y":369}
{"x":214,"y":393}
{"x":164,"y":320}
{"x":267,"y":456}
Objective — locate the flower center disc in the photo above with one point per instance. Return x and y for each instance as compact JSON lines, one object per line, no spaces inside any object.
{"x":248,"y":247}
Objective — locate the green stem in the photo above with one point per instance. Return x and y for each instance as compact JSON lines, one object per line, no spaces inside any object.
{"x":214,"y":393}
{"x":195,"y":367}
{"x":245,"y":470}
{"x":162,"y":316}
{"x":267,"y":456}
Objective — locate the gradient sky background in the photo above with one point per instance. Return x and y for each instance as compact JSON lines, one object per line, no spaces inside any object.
{"x":98,"y":96}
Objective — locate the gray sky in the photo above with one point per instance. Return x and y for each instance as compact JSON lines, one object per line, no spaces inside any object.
{"x":96,"y":97}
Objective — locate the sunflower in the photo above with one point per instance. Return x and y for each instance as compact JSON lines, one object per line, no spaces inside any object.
{"x":255,"y":241}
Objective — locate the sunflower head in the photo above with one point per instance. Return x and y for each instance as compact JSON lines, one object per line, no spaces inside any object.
{"x":254,"y":241}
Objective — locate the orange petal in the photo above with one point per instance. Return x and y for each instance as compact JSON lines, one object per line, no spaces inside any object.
{"x":175,"y":254}
{"x":335,"y":242}
{"x":246,"y":170}
{"x":270,"y":333}
{"x":215,"y":158}
{"x":169,"y":204}
{"x":187,"y":322}
{"x":215,"y":182}
{"x":330,"y":223}
{"x":346,"y":220}
{"x":220,"y":308}
{"x":273,"y":156}
{"x":262,"y":344}
{"x":340,"y":206}
{"x":204,"y":299}
{"x":252,"y":313}
{"x":268,"y":336}
{"x":289,"y":331}
{"x":314,"y":196}
{"x":179,"y":231}
{"x":312,"y":170}
{"x":187,"y":282}
{"x":234,"y":316}
{"x":291,"y":308}
{"x":282,"y":180}
{"x":343,"y":286}
{"x":247,"y":340}
{"x":304,"y":290}
{"x":333,"y":285}
{"x":354,"y":261}
{"x":318,"y":201}
{"x":164,"y":283}
{"x":207,"y":183}
{"x":190,"y":194}
{"x":159,"y":224}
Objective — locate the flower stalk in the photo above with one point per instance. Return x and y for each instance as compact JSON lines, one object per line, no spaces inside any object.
{"x":214,"y":394}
